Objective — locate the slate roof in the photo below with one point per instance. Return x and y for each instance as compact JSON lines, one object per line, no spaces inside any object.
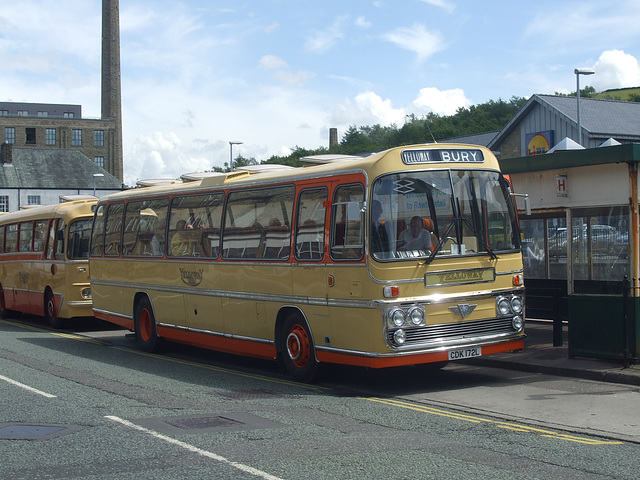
{"x":597,"y":116}
{"x":601,"y":118}
{"x":478,"y":139}
{"x":53,"y":168}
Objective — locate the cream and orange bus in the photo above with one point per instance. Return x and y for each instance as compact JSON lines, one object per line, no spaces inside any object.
{"x":44,"y":267}
{"x":407,"y":256}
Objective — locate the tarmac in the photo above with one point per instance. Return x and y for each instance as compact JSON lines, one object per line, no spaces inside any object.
{"x":540,"y":356}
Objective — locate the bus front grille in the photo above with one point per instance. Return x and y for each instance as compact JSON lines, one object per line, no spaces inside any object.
{"x":454,"y":333}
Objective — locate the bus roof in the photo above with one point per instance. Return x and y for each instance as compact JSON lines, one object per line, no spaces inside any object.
{"x":326,"y":165}
{"x":69,"y":209}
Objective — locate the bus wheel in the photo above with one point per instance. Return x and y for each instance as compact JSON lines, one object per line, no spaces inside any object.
{"x":145,"y":325}
{"x":298,"y":353}
{"x":4,"y":313}
{"x":50,"y":310}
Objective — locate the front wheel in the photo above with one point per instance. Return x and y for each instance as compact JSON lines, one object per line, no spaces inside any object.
{"x":145,"y":326}
{"x":297,"y":350}
{"x":51,"y":313}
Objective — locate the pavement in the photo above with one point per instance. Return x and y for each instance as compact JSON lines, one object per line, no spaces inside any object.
{"x":540,"y":356}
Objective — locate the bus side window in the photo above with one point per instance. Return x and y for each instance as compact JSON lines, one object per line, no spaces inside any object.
{"x":194,"y":225}
{"x":11,"y":238}
{"x":26,"y":236}
{"x":1,"y":239}
{"x":310,"y":222}
{"x":97,"y":234}
{"x":113,"y":230}
{"x":347,"y":239}
{"x":51,"y":237}
{"x":39,"y":235}
{"x":58,"y":251}
{"x":145,"y":222}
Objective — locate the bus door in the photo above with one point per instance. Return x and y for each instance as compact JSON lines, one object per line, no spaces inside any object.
{"x":310,"y":271}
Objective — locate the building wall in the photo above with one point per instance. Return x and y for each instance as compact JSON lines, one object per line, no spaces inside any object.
{"x":588,"y":186}
{"x":64,"y":132}
{"x":19,"y":197}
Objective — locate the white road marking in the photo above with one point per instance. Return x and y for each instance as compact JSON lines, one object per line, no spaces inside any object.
{"x":26,"y":387}
{"x":191,"y":448}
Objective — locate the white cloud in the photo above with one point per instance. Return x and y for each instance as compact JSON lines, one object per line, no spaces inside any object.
{"x":272,"y":62}
{"x":367,"y":108}
{"x":615,"y":69}
{"x":280,"y":72}
{"x":322,"y":40}
{"x":416,"y":39}
{"x":442,"y":102}
{"x":443,"y":4}
{"x":362,"y":22}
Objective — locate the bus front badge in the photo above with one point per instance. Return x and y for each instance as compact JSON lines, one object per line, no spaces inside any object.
{"x":463,"y":309}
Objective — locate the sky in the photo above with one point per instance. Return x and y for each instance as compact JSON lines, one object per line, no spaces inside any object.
{"x":276,"y":74}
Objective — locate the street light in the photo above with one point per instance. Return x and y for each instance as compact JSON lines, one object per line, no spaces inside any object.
{"x":96,"y":175}
{"x":578,"y":72}
{"x":231,"y":144}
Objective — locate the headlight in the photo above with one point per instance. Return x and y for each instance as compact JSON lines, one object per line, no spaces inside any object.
{"x":86,"y":293}
{"x":503,"y":306}
{"x":517,"y":323}
{"x":399,"y":337}
{"x":516,"y":304}
{"x":416,"y":315}
{"x":397,"y":317}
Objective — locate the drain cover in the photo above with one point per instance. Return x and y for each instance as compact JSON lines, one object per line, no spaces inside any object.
{"x":29,"y":432}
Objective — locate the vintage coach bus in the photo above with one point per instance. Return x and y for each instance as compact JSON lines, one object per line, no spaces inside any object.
{"x":44,"y":267}
{"x":407,"y":256}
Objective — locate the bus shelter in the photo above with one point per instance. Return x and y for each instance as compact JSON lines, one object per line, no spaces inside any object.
{"x":580,"y":245}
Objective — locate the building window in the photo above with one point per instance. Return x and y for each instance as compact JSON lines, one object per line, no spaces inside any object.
{"x":4,"y":113}
{"x":76,"y":137}
{"x":67,"y":115}
{"x":98,"y":138}
{"x":43,"y":114}
{"x":51,"y":136}
{"x":10,"y":135}
{"x":33,"y":200}
{"x":99,"y":161}
{"x":23,"y":113}
{"x":4,"y":203}
{"x":30,"y":136}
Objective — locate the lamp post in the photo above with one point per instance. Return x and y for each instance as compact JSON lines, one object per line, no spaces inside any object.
{"x":96,"y":175}
{"x":578,"y":72}
{"x":231,"y":144}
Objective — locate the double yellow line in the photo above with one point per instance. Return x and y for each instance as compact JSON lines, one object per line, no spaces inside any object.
{"x":500,"y":424}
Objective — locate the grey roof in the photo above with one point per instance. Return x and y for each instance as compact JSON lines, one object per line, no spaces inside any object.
{"x":599,"y":116}
{"x":478,"y":139}
{"x":53,"y":168}
{"x":602,"y":118}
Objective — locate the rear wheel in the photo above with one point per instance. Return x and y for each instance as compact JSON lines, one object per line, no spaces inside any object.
{"x":297,"y":350}
{"x":4,"y":312}
{"x":51,"y":313}
{"x":145,"y":325}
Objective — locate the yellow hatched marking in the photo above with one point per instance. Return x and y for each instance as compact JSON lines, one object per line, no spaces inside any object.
{"x":500,"y":424}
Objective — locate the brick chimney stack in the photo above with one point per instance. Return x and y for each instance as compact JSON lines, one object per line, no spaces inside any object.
{"x":333,"y":137}
{"x":111,"y":85}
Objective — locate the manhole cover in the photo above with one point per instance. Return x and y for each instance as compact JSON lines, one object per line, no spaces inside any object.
{"x":202,"y":422}
{"x":28,"y":432}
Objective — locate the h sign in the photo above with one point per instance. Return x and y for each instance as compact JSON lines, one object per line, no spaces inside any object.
{"x":561,"y":185}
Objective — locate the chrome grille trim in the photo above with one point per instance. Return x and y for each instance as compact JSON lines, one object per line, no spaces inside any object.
{"x":454,"y":333}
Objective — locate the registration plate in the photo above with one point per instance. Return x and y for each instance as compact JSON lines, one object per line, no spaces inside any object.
{"x":465,"y":353}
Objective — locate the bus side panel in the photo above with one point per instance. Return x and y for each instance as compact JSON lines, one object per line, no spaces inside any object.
{"x":243,"y":307}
